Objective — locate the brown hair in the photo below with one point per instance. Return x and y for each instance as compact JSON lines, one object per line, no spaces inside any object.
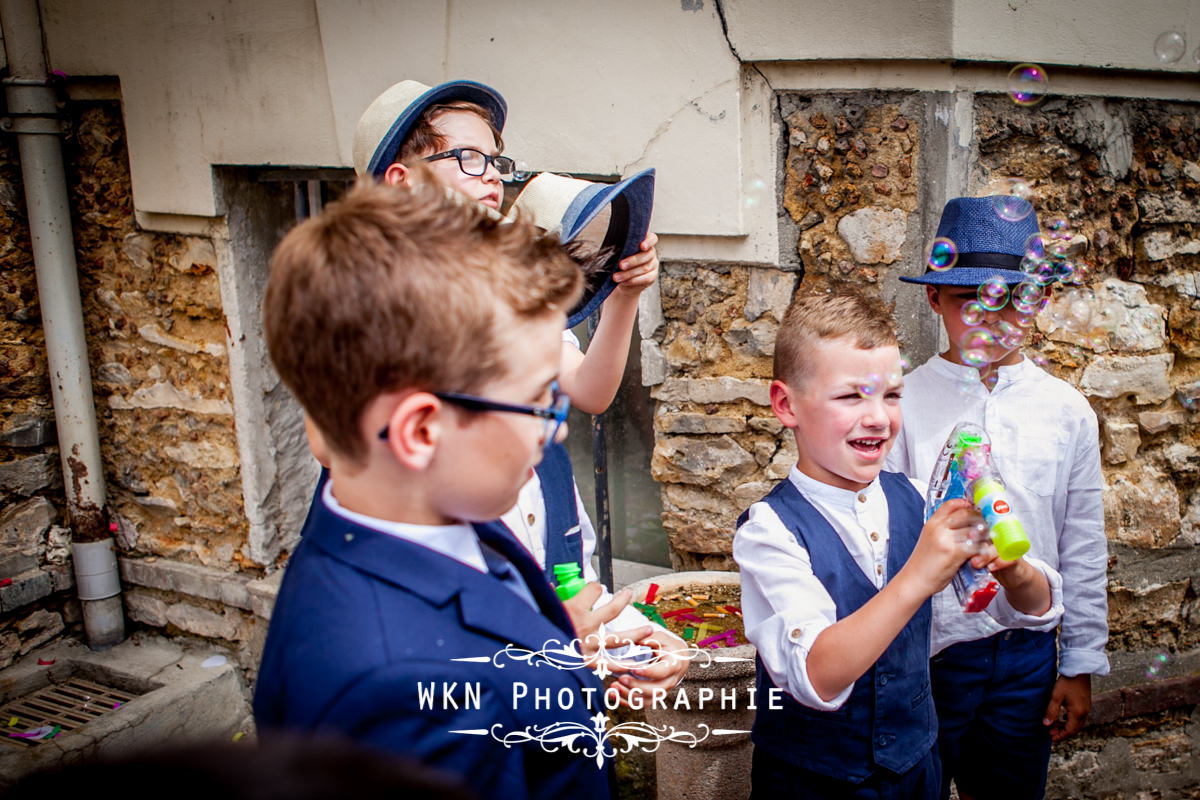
{"x":811,"y":318}
{"x":424,"y":139}
{"x":396,"y":287}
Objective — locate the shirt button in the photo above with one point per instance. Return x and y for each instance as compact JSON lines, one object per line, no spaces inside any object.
{"x":795,"y":634}
{"x":862,"y":498}
{"x":530,"y":519}
{"x":874,"y":536}
{"x":879,"y":569}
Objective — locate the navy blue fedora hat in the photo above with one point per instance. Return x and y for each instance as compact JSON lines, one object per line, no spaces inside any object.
{"x":565,"y":205}
{"x":990,"y":235}
{"x":385,"y":124}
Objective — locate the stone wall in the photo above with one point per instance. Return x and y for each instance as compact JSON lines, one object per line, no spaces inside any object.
{"x":864,"y":177}
{"x":156,"y":333}
{"x":35,"y":605}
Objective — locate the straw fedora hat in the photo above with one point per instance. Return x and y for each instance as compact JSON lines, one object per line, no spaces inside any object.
{"x":384,"y":125}
{"x":566,"y":207}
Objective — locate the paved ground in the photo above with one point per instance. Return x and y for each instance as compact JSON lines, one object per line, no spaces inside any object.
{"x":191,"y":692}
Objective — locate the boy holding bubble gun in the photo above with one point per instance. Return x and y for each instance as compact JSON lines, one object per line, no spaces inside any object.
{"x":964,"y":469}
{"x":1000,"y":690}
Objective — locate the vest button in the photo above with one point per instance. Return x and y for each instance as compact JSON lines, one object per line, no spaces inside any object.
{"x":884,"y":678}
{"x":883,"y":740}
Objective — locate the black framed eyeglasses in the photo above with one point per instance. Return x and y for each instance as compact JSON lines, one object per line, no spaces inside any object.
{"x":554,"y":414}
{"x":474,"y":163}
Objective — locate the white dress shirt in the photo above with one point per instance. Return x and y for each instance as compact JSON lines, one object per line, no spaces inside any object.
{"x":527,"y":520}
{"x":1045,"y":445}
{"x":785,"y":606}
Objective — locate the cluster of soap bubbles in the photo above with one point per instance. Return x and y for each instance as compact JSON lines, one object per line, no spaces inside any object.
{"x":1090,"y":317}
{"x":1157,"y":667}
{"x":1028,"y":84}
{"x":870,"y":385}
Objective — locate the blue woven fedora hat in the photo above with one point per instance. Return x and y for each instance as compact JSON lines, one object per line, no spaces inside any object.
{"x":989,"y":245}
{"x":385,"y":124}
{"x":564,"y":205}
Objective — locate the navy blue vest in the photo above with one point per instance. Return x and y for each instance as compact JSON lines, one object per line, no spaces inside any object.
{"x":889,"y":720}
{"x":564,"y":543}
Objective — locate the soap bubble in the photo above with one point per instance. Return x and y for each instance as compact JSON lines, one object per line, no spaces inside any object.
{"x":1028,"y":84}
{"x":1158,"y":665}
{"x":1170,"y":47}
{"x":756,"y":190}
{"x":904,"y":364}
{"x":869,"y":385}
{"x":521,"y":171}
{"x":1040,"y":360}
{"x":1035,"y":245}
{"x":1012,"y":204}
{"x":1098,"y":340}
{"x":993,"y":294}
{"x":1065,"y":271}
{"x":1189,"y":401}
{"x":977,"y":345}
{"x":942,"y":254}
{"x":1196,"y":56}
{"x":1028,"y":294}
{"x":1058,"y":227}
{"x":1025,"y":319}
{"x":1009,"y":336}
{"x":973,"y":312}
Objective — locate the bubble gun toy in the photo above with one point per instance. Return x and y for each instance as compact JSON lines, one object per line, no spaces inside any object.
{"x":964,"y":469}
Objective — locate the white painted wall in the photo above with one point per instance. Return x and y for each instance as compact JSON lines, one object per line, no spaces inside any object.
{"x":609,"y":87}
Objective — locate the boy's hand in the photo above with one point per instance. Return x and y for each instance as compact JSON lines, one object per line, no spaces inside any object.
{"x":945,"y":543}
{"x":1072,"y":697}
{"x":587,"y":620}
{"x":665,"y":673}
{"x":1026,"y":587}
{"x":639,"y":270}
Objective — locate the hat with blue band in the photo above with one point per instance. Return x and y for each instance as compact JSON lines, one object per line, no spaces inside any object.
{"x":565,"y":206}
{"x":386,"y":123}
{"x":990,"y":235}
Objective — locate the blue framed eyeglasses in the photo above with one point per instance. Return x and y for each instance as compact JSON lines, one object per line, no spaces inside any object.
{"x":554,"y":414}
{"x":474,"y":163}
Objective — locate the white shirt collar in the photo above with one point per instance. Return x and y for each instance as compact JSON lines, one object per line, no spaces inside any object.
{"x":457,"y":541}
{"x":831,"y":496}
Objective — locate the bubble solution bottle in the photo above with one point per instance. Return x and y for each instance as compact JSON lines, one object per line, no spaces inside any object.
{"x":964,"y":469}
{"x":568,"y":580}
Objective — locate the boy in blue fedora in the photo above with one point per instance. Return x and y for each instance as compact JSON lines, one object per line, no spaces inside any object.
{"x":422,"y":338}
{"x":1004,"y":695}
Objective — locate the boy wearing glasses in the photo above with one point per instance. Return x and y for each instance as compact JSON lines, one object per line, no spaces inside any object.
{"x":440,"y":328}
{"x":455,"y":130}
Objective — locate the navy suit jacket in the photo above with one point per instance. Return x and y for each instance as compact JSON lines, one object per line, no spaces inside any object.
{"x":364,"y":618}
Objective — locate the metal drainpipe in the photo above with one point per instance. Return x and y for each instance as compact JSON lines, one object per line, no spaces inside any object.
{"x":34,"y":117}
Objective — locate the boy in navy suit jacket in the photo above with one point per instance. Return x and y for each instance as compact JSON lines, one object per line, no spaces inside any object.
{"x":423,"y":339}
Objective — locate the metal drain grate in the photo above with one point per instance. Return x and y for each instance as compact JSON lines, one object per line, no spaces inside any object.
{"x":66,"y":705}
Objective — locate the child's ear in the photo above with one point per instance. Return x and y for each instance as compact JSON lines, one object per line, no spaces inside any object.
{"x":395,"y":174}
{"x":414,"y":430}
{"x":933,"y":294}
{"x":781,"y":403}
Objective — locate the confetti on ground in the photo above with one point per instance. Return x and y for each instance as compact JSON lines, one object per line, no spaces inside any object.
{"x":729,"y":638}
{"x":116,"y":706}
{"x":237,"y":737}
{"x":213,"y":661}
{"x":45,"y":662}
{"x":12,"y":721}
{"x":6,"y":582}
{"x":733,"y":610}
{"x":689,"y":634}
{"x":44,"y":732}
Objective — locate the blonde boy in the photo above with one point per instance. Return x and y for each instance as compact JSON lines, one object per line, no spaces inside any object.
{"x":837,"y":571}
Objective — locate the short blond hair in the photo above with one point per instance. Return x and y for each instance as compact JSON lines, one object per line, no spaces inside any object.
{"x":814,"y":317}
{"x":397,"y":287}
